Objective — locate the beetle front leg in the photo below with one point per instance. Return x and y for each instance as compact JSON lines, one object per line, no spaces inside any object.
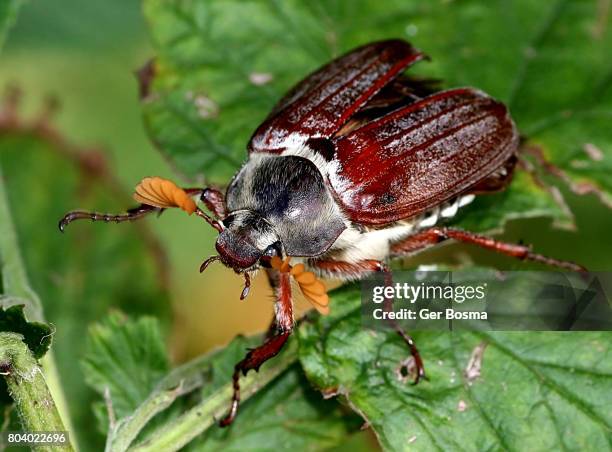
{"x":272,"y":346}
{"x":214,"y":201}
{"x":357,"y":270}
{"x":131,"y":215}
{"x":432,"y":236}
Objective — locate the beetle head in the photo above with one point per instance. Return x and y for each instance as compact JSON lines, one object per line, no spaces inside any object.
{"x":246,"y":238}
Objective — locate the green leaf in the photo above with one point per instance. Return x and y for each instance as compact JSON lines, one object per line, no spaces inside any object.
{"x":127,"y":358}
{"x":20,"y":308}
{"x":288,"y":410}
{"x":522,"y":199}
{"x":203,"y":106}
{"x":536,"y":391}
{"x":277,"y":402}
{"x":36,"y":335}
{"x":549,"y":61}
{"x":13,"y":277}
{"x":8,"y":14}
{"x":126,"y":363}
{"x":21,"y":311}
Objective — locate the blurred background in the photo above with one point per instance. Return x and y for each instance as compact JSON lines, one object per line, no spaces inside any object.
{"x":77,"y":141}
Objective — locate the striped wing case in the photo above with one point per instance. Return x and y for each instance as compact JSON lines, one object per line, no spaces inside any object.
{"x":324,"y":101}
{"x":420,"y":156}
{"x":390,"y":160}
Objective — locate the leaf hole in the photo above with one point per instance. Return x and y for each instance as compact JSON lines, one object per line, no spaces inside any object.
{"x":406,"y":370}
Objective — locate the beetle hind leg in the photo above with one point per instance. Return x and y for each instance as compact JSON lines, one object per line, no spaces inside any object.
{"x":432,"y":236}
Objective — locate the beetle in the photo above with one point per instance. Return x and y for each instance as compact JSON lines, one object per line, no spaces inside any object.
{"x":355,"y":165}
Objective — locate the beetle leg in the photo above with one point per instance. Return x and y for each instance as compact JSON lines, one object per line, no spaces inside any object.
{"x":212,"y":198}
{"x":388,"y":306}
{"x":214,"y":201}
{"x":274,"y":343}
{"x":271,"y":331}
{"x":341,"y":269}
{"x":432,"y":236}
{"x":133,"y":214}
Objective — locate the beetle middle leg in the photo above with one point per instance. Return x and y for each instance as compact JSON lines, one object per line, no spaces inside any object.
{"x":349,"y":270}
{"x":273,"y":344}
{"x":432,"y":236}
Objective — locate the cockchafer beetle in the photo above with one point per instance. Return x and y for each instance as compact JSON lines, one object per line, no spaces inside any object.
{"x":355,"y":165}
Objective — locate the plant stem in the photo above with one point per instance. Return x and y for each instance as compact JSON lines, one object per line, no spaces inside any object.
{"x":15,"y":284}
{"x":180,"y":381}
{"x":182,"y":430}
{"x":27,"y":386}
{"x":120,"y":436}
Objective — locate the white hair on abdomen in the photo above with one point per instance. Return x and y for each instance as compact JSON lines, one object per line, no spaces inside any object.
{"x":355,"y":245}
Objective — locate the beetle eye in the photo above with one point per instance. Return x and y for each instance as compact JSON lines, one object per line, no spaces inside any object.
{"x":273,"y":250}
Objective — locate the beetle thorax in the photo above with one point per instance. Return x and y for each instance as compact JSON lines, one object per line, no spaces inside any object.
{"x":289,"y":192}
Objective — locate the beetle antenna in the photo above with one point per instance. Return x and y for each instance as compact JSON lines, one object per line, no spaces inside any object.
{"x":247,"y":286}
{"x":211,"y":221}
{"x":207,"y":262}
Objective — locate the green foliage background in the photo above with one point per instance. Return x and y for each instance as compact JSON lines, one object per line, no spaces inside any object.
{"x":548,"y":60}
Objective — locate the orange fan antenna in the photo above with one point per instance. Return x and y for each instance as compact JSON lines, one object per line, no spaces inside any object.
{"x":163,"y":193}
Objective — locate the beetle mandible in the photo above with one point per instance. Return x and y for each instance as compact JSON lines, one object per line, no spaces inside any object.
{"x":355,"y":165}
